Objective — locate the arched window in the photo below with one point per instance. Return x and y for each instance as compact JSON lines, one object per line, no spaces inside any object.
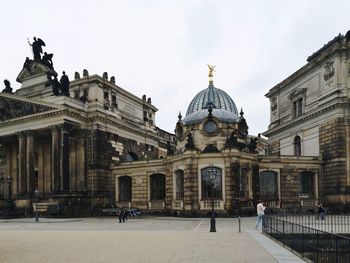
{"x":131,"y":156}
{"x":297,"y":146}
{"x":105,"y":95}
{"x":179,"y":184}
{"x":268,"y":185}
{"x":125,"y":190}
{"x":307,"y":184}
{"x":211,"y":183}
{"x":157,"y":186}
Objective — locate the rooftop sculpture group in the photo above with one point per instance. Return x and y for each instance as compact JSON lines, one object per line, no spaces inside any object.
{"x":58,"y":87}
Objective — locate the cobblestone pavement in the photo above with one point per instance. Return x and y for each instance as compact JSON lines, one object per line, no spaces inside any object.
{"x":137,"y":240}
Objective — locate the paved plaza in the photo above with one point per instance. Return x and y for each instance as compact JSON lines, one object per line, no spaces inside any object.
{"x":138,"y":240}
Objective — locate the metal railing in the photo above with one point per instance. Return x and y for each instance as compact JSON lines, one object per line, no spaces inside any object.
{"x":314,"y":244}
{"x":332,"y":223}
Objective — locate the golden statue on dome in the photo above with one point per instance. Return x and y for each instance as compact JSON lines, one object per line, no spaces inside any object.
{"x":211,"y":70}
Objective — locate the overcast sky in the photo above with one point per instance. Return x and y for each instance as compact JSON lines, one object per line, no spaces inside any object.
{"x":162,"y":48}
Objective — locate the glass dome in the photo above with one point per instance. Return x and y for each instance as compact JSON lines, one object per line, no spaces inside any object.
{"x":218,"y":97}
{"x":221,"y":114}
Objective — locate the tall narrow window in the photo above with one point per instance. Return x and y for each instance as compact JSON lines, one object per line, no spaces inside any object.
{"x":297,"y":146}
{"x":2,"y":156}
{"x":114,"y":100}
{"x":243,"y":186}
{"x":179,"y":184}
{"x":295,"y":109}
{"x":307,"y":184}
{"x":211,"y":183}
{"x":157,"y":185}
{"x":268,"y":185}
{"x":125,"y":189}
{"x":298,"y":107}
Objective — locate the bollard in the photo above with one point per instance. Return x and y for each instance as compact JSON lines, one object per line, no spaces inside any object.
{"x":239,"y":224}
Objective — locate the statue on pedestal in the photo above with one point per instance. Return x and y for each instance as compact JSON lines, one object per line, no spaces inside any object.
{"x":37,"y":48}
{"x":64,"y":84}
{"x":56,"y":86}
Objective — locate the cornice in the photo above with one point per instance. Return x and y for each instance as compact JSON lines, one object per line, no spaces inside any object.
{"x":301,"y":119}
{"x":103,"y":83}
{"x":336,"y":47}
{"x":32,"y":117}
{"x":140,"y":131}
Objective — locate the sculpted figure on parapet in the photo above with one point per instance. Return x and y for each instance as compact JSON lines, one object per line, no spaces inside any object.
{"x":37,"y":48}
{"x":7,"y":88}
{"x":64,"y":84}
{"x":47,"y":60}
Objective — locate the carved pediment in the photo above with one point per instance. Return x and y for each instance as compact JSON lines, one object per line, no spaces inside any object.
{"x":12,"y":107}
{"x":33,"y":68}
{"x":296,"y":93}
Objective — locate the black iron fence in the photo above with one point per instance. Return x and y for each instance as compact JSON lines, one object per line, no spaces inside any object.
{"x":332,"y":223}
{"x":305,"y":236}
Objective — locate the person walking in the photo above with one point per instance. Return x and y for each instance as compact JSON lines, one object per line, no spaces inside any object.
{"x":260,"y":208}
{"x":320,"y":211}
{"x":121,"y":214}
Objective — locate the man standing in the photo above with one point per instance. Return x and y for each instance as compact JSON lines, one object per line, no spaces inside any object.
{"x":260,"y":208}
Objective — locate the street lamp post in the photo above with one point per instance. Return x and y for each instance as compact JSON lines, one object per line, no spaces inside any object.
{"x":212,"y":176}
{"x":36,"y":206}
{"x":9,"y":200}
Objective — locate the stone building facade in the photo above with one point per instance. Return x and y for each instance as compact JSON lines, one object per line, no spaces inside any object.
{"x":64,"y":146}
{"x":98,"y":145}
{"x":216,"y":161}
{"x":310,"y":117}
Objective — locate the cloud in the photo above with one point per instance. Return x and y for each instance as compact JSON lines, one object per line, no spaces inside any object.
{"x":161,"y":48}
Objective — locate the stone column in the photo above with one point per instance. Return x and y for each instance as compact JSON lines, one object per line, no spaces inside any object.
{"x":30,"y":162}
{"x":55,"y":160}
{"x":65,"y":160}
{"x":22,"y":183}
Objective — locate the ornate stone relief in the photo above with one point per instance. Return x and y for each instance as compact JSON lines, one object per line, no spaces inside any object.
{"x":273,"y":104}
{"x":328,"y":71}
{"x":11,"y":108}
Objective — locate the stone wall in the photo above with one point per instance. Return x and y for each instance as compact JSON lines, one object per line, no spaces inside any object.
{"x":274,"y":148}
{"x":289,"y":182}
{"x":333,"y":150}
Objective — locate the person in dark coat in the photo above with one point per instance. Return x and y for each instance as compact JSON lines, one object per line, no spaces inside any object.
{"x":121,"y":215}
{"x":320,"y":211}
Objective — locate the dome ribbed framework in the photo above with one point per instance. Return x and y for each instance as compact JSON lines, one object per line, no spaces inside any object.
{"x":211,"y":94}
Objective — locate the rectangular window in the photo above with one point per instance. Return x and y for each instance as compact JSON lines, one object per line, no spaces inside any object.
{"x":158,"y":187}
{"x":295,"y":109}
{"x":268,"y":185}
{"x":298,"y":107}
{"x":211,"y":183}
{"x":2,"y":156}
{"x":114,"y":100}
{"x":179,"y":184}
{"x":243,"y":186}
{"x":306,"y":184}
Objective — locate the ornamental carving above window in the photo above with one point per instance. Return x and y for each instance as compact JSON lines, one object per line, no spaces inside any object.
{"x":328,"y":71}
{"x":273,"y":104}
